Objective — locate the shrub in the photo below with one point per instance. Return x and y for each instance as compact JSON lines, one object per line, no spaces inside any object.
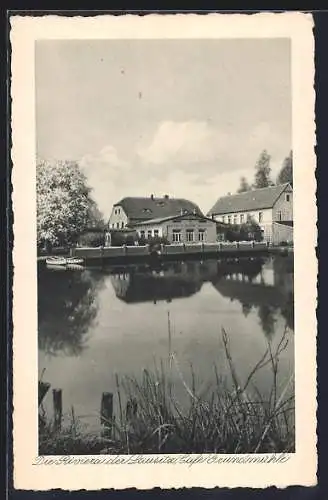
{"x":243,"y":232}
{"x":92,"y":239}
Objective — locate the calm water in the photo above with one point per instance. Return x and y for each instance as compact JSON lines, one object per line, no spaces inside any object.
{"x":98,"y":322}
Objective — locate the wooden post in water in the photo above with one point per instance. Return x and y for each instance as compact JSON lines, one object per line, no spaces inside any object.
{"x":58,"y":408}
{"x":106,"y":413}
{"x":131,"y":409}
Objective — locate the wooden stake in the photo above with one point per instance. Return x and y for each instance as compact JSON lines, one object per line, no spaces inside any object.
{"x":106,"y":413}
{"x":58,"y":408}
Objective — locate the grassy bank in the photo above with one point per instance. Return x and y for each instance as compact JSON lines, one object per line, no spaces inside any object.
{"x":232,"y":417}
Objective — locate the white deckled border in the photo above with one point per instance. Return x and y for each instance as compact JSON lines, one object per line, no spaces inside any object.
{"x":300,"y":469}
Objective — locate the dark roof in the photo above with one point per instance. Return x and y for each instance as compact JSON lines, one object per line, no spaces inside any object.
{"x":250,"y":200}
{"x":153,"y":208}
{"x":159,"y":220}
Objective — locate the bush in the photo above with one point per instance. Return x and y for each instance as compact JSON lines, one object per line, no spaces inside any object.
{"x":120,"y":238}
{"x":154,"y":241}
{"x":92,"y":239}
{"x":250,"y":231}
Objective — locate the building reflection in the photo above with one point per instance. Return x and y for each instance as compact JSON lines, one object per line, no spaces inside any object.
{"x":68,"y":301}
{"x":165,"y":283}
{"x":257,"y":284}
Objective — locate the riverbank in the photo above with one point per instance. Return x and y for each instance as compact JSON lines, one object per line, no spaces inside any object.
{"x":232,"y":417}
{"x":130,"y":254}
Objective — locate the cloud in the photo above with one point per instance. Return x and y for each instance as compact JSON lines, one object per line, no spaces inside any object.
{"x":184,"y":143}
{"x":199,"y":147}
{"x":190,"y":159}
{"x":103,"y":171}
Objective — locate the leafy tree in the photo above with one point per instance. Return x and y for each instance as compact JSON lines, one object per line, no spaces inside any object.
{"x":286,"y":172}
{"x":64,"y":205}
{"x":244,"y":186}
{"x":95,"y":216}
{"x":263,"y":171}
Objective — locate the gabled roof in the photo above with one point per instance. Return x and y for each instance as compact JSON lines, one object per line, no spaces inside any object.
{"x":139,"y":209}
{"x":256,"y":199}
{"x":160,"y":220}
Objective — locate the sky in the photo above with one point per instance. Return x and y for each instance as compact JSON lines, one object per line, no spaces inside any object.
{"x":186,"y":118}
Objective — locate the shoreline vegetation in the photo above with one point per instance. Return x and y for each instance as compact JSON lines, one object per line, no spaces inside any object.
{"x":232,"y":417}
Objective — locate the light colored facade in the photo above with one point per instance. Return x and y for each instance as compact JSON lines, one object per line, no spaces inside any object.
{"x":269,"y":207}
{"x":118,"y":218}
{"x":187,"y":228}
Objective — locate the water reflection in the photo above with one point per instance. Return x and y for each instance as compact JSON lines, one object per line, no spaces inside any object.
{"x":67,"y":306}
{"x":263,"y":285}
{"x":68,"y":301}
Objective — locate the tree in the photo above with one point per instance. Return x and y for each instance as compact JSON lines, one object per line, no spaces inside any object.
{"x":244,"y":186}
{"x":64,"y":204}
{"x":263,"y":171}
{"x":286,"y":172}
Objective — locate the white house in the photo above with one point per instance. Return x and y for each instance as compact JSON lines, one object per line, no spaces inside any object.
{"x":176,"y":219}
{"x":271,"y":208}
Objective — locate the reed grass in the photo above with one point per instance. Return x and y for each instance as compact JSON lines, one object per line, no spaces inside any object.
{"x":230,"y":417}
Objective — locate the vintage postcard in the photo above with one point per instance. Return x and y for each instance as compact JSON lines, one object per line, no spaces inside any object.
{"x":164,"y":298}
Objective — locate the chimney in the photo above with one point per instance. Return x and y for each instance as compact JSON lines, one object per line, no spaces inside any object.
{"x":194,"y":211}
{"x":181,"y":211}
{"x":151,"y":196}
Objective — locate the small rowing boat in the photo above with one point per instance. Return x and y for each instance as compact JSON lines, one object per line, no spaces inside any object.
{"x":74,"y":260}
{"x":56,"y":261}
{"x":63,"y":261}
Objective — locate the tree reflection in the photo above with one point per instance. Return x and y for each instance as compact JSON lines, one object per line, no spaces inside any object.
{"x":246,"y":308}
{"x":288,"y":311}
{"x":67,"y":306}
{"x":267,"y":319}
{"x":246,"y":282}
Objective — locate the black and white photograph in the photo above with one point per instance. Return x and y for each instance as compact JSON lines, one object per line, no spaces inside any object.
{"x":165,"y":246}
{"x":165,"y":187}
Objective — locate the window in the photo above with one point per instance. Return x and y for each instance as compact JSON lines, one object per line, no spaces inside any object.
{"x":176,"y":236}
{"x":142,"y":234}
{"x":229,"y":219}
{"x":190,"y":235}
{"x":149,"y":233}
{"x":223,"y":219}
{"x":241,"y":218}
{"x":115,"y":211}
{"x":249,"y":218}
{"x":146,"y":210}
{"x":235,"y":219}
{"x":117,"y":225}
{"x":118,"y":211}
{"x":201,"y":235}
{"x":260,"y":216}
{"x":287,"y":197}
{"x":279,"y":215}
{"x":122,"y":225}
{"x":156,"y":233}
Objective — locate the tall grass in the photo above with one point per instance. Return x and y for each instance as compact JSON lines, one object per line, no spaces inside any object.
{"x":231,"y":417}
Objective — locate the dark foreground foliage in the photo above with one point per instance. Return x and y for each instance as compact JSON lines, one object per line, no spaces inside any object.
{"x":231,"y":418}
